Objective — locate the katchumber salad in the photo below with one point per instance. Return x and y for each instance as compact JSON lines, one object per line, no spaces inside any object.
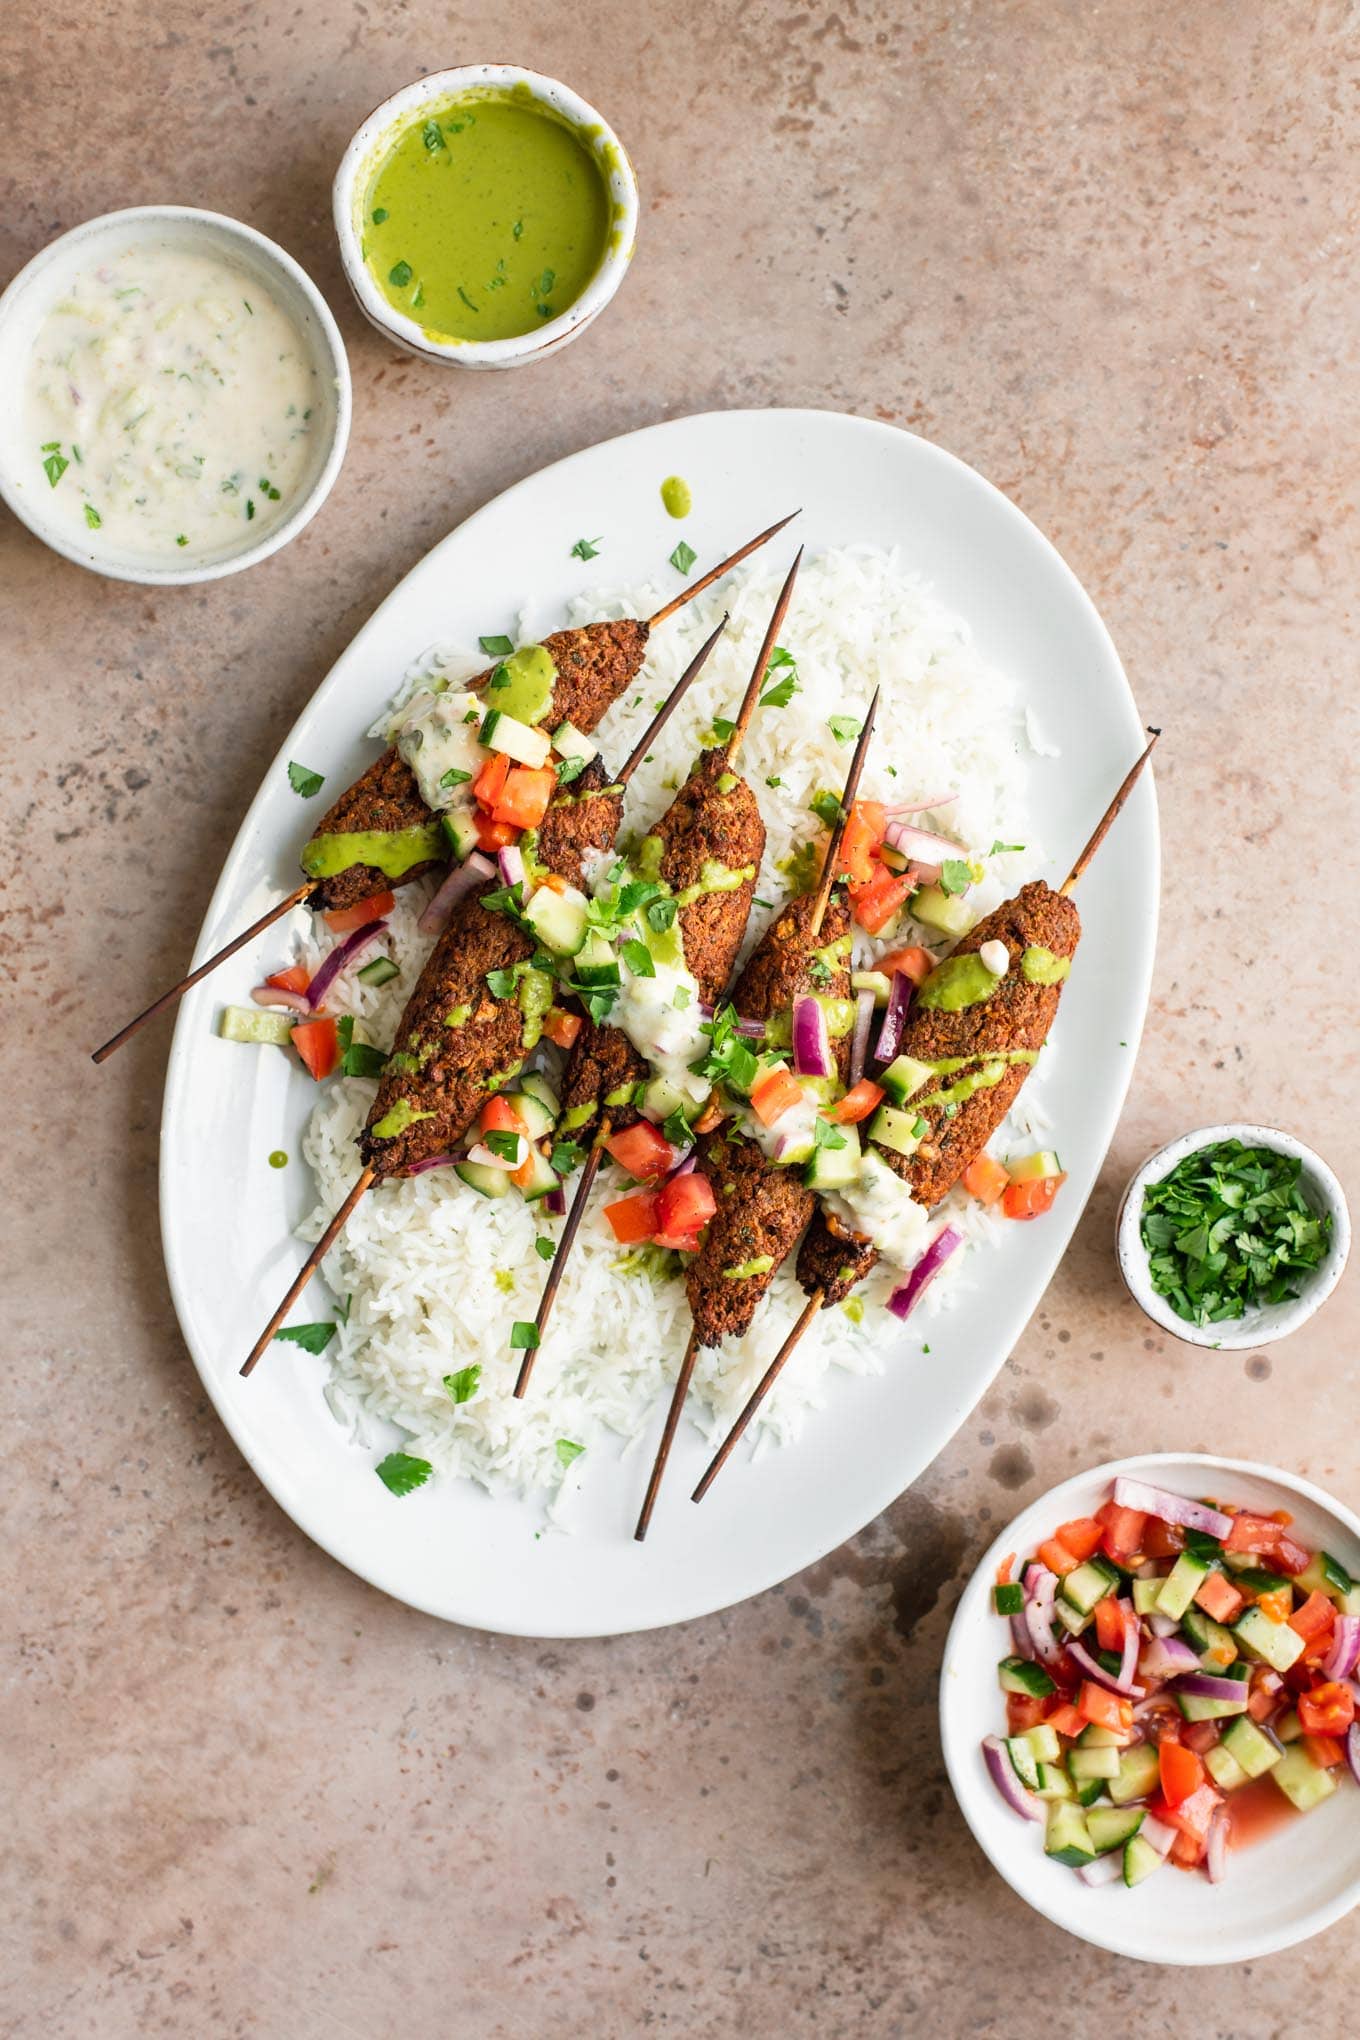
{"x":1172,"y":1661}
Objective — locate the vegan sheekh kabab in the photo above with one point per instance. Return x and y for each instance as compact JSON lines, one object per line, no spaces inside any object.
{"x":967,"y":1038}
{"x":629,"y":1079}
{"x":765,"y":1164}
{"x":412,"y":809}
{"x":481,"y":1000}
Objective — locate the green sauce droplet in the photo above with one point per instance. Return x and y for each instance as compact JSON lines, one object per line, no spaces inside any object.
{"x":677,"y":496}
{"x":278,"y":1160}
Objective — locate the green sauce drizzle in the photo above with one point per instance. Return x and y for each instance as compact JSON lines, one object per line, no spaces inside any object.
{"x":390,"y":851}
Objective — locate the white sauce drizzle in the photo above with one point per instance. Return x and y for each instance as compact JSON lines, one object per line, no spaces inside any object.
{"x":438,"y":735}
{"x":879,"y":1203}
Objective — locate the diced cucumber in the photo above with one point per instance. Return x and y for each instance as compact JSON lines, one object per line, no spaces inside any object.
{"x":1271,"y":1643}
{"x":896,"y":1130}
{"x":1302,"y":1782}
{"x":1066,"y":1836}
{"x":1111,"y":1826}
{"x":461,"y":831}
{"x":517,"y":740}
{"x":1088,"y":1790}
{"x":949,"y":912}
{"x":1008,"y":1598}
{"x":904,"y":1077}
{"x":1034,"y":1168}
{"x":537,"y":1086}
{"x":832,"y":1168}
{"x":381,"y":971}
{"x":1288,"y":1727}
{"x":1018,"y":1675}
{"x":1224,"y":1768}
{"x":559,"y":919}
{"x":662,"y":1097}
{"x":1023,"y":1760}
{"x":1140,"y":1860}
{"x":1073,"y":1620}
{"x":1196,"y":1708}
{"x":1088,"y":1584}
{"x":596,"y":963}
{"x":1043,"y":1740}
{"x":1138,"y":1774}
{"x":1096,"y":1737}
{"x":1145,"y":1594}
{"x":1257,"y":1580}
{"x":1083,"y":1763}
{"x":257,"y":1023}
{"x":1213,"y":1642}
{"x":486,"y":1182}
{"x":1181,"y":1585}
{"x":872,"y":981}
{"x":536,"y":1116}
{"x":569,"y":742}
{"x":543,"y":1177}
{"x":1252,"y":1748}
{"x":1054,"y":1783}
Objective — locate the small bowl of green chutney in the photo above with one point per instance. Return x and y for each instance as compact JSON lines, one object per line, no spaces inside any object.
{"x":1232,"y":1236}
{"x":486,"y":216}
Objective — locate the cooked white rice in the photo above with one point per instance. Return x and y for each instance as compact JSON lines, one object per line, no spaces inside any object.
{"x":435,"y":1274}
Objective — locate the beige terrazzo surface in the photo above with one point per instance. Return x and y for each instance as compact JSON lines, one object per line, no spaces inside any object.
{"x":1108,"y":255}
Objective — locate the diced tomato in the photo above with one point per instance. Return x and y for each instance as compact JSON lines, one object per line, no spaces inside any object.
{"x":917,"y":964}
{"x":1218,"y":1597}
{"x":1252,"y":1533}
{"x":859,"y":1101}
{"x":1329,"y":1709}
{"x":1081,"y":1536}
{"x":489,"y":784}
{"x":360,"y":914}
{"x":553,"y":880}
{"x":1199,"y":1736}
{"x":1186,"y":1851}
{"x":1261,"y":1703}
{"x":1057,"y":1558}
{"x":523,"y":1176}
{"x":492,"y":835}
{"x":562,"y":1027}
{"x":1282,"y":1517}
{"x":1109,"y":1624}
{"x":1065,"y":1719}
{"x":1023,"y":1711}
{"x":1123,"y":1529}
{"x":685,"y":1206}
{"x":1162,"y":1540}
{"x":1193,"y":1814}
{"x":1315,"y":1616}
{"x":1033,"y":1199}
{"x":633,"y":1219}
{"x":985,"y":1179}
{"x":1181,"y":1772}
{"x":642,"y":1150}
{"x":774,"y":1093}
{"x":294,"y":979}
{"x":1324,"y":1750}
{"x":526,"y":795}
{"x":863,"y":834}
{"x":498,"y":1115}
{"x":1291,"y":1557}
{"x":877,"y":902}
{"x":1278,"y":1603}
{"x":1095,"y":1703}
{"x":318,"y":1043}
{"x":711,"y":1116}
{"x":1005,"y":1570}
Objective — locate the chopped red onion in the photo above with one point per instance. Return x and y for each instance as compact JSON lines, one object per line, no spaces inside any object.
{"x":1157,"y":1832}
{"x":1205,"y":1686}
{"x":754,"y":1030}
{"x":1103,"y":1869}
{"x":435,"y":1162}
{"x":1345,"y":1648}
{"x":920,"y":807}
{"x":1161,"y":1625}
{"x":1039,"y":1622}
{"x":1132,"y":1639}
{"x":1021,"y":1638}
{"x":1093,"y":1669}
{"x":811,"y":1042}
{"x":340,"y":958}
{"x":487,"y":1158}
{"x":474,"y":870}
{"x":1033,"y":1573}
{"x":1216,"y":1847}
{"x":859,"y":1040}
{"x":903,"y":1300}
{"x":510,"y":863}
{"x":274,"y":995}
{"x":1167,"y":1658}
{"x":1007,"y":1784}
{"x":556,"y":1202}
{"x":900,"y":996}
{"x":1169,"y":1508}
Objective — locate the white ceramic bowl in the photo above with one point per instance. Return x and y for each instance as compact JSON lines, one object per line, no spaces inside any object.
{"x":26,"y":303}
{"x":1259,"y":1327}
{"x":370,"y":142}
{"x":1277,"y":1892}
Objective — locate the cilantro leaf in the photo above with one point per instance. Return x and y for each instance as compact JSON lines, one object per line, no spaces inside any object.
{"x":661,"y":915}
{"x":499,"y":647}
{"x":676,"y":1128}
{"x":827,"y":807}
{"x":463,"y":1385}
{"x":569,"y":769}
{"x":303,"y":782}
{"x":54,"y":467}
{"x":783,"y":691}
{"x":955,"y":876}
{"x":844,"y":727}
{"x":1000,"y":849}
{"x":544,"y":1247}
{"x":825,"y":1135}
{"x":311,"y":1338}
{"x":523,"y":1336}
{"x":683,"y":558}
{"x":455,"y":776}
{"x":638,"y":958}
{"x":399,"y":275}
{"x":568,"y":1449}
{"x":92,"y":517}
{"x":502,"y":1142}
{"x":402,"y":1473}
{"x":722,"y":728}
{"x":585,"y":548}
{"x":1229,"y":1230}
{"x":566,"y":1156}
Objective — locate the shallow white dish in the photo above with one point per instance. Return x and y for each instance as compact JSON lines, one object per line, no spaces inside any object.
{"x":25,"y":304}
{"x":1280,"y":1890}
{"x":1259,"y":1327}
{"x":227,"y":1217}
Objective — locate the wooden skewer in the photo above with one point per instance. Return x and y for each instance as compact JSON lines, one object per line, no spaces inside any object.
{"x":308,"y":1268}
{"x":1103,"y":825}
{"x":848,"y":792}
{"x":670,"y":704}
{"x":275,"y":913}
{"x":761,"y":667}
{"x":814,"y":1302}
{"x":663,"y":1450}
{"x":564,"y":1247}
{"x":716,"y":573}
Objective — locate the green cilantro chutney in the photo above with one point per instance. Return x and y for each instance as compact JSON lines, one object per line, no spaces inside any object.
{"x":486,"y":217}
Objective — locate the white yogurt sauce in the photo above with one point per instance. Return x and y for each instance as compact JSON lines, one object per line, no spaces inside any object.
{"x":437,"y":737}
{"x":792,"y":1137}
{"x":880,"y":1204}
{"x":669,"y":1036}
{"x":169,"y":401}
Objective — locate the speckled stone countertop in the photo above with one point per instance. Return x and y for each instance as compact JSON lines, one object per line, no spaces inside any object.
{"x":1107,"y":255}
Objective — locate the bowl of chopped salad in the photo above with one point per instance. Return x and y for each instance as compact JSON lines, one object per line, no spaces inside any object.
{"x":1149,"y":1707}
{"x":1232,"y":1236}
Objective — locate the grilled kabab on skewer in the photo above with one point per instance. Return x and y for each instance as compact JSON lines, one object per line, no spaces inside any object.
{"x":969,"y":1041}
{"x":388,"y":827}
{"x":464,"y":1031}
{"x":712,"y":827}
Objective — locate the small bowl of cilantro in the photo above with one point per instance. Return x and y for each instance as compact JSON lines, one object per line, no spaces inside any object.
{"x":1232,"y":1236}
